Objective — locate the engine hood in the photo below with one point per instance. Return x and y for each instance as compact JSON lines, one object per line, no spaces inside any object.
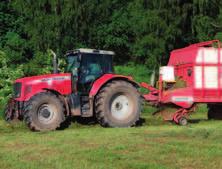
{"x":44,"y":78}
{"x":60,"y":83}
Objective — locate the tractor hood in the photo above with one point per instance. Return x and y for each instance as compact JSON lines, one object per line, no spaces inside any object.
{"x":24,"y":88}
{"x":44,"y":77}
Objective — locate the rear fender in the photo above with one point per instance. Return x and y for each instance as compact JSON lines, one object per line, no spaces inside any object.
{"x":102,"y":81}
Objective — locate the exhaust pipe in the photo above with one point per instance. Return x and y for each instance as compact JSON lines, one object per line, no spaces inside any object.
{"x":153,"y":78}
{"x":55,"y":64}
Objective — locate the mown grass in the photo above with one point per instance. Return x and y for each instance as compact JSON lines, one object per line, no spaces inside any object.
{"x":155,"y":144}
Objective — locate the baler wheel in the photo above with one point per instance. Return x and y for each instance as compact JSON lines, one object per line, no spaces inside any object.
{"x":183,"y":121}
{"x":118,"y":104}
{"x":44,"y":112}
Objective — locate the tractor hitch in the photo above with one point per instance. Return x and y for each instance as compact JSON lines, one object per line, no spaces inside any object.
{"x":153,"y":96}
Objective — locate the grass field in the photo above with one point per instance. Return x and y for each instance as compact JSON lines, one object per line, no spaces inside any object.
{"x":155,"y":144}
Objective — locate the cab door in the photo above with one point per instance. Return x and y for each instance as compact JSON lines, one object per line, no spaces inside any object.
{"x":73,"y":65}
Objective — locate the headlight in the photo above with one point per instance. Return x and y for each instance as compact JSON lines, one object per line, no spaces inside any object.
{"x":17,"y":89}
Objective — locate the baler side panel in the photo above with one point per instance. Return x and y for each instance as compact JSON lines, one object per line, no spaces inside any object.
{"x":182,"y":97}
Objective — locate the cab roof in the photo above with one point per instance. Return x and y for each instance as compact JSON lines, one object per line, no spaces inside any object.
{"x":92,"y":51}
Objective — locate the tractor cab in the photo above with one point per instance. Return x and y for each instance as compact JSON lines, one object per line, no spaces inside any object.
{"x":87,"y":65}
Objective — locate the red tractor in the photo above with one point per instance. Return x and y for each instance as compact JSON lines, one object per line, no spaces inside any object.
{"x":88,"y":88}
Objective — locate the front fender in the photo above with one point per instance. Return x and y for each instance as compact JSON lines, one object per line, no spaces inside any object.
{"x":103,"y":80}
{"x":26,"y":96}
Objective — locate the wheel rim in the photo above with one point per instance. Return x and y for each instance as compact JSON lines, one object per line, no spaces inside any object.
{"x":121,"y":107}
{"x":183,"y":121}
{"x":46,"y":113}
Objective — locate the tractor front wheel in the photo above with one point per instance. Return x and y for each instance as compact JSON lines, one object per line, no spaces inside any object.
{"x":118,"y":105}
{"x":44,"y":112}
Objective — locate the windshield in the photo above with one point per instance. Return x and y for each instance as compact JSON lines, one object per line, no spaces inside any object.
{"x":72,"y":64}
{"x":95,"y":65}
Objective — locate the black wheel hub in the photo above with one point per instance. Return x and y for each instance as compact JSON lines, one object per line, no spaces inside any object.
{"x":119,"y":106}
{"x":45,"y":113}
{"x":183,"y":121}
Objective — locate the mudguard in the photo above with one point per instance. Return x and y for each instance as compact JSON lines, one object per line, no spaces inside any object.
{"x":99,"y":83}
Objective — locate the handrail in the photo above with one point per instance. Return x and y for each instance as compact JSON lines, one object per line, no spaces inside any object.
{"x":204,"y":43}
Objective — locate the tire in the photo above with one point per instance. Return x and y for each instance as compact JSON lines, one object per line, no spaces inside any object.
{"x":44,"y":112}
{"x":183,"y":121}
{"x":214,"y":112}
{"x":118,"y":104}
{"x":7,"y":116}
{"x":10,"y":112}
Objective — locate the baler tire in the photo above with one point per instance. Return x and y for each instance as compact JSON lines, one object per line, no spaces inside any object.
{"x":209,"y":114}
{"x":107,"y":111}
{"x":214,"y":113}
{"x":39,"y":104}
{"x":183,"y":121}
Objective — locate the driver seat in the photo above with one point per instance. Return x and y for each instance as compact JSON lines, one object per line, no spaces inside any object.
{"x":94,"y":71}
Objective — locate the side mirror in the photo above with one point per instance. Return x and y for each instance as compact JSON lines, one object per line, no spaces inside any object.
{"x":55,"y":62}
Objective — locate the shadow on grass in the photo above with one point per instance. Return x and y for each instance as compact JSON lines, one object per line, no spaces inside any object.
{"x":194,"y":121}
{"x":140,"y":122}
{"x":91,"y":121}
{"x":85,"y":121}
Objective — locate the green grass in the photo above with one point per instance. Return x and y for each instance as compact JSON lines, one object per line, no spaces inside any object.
{"x":156,"y":144}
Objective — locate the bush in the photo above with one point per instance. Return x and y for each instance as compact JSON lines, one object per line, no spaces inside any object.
{"x":139,"y":72}
{"x":8,"y":73}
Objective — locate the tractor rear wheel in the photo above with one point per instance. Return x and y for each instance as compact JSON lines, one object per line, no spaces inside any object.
{"x":44,"y":112}
{"x":214,"y":112}
{"x":118,"y":104}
